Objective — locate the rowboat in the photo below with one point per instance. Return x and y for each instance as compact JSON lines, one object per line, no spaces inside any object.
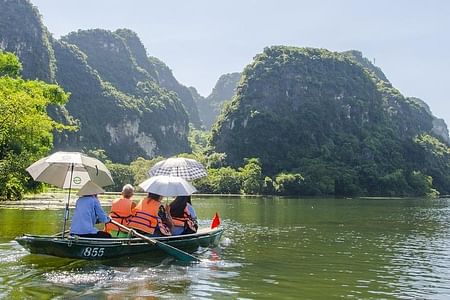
{"x":97,"y":248}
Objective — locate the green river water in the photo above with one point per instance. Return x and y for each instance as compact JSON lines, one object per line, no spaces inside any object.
{"x":273,"y":248}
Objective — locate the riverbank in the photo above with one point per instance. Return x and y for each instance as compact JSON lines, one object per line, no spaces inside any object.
{"x":53,"y":200}
{"x":57,"y":199}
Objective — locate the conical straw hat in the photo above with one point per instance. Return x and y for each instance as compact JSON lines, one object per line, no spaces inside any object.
{"x":90,"y":188}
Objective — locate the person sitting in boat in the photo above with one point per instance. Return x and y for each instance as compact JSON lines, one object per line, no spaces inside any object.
{"x":151,"y":217}
{"x":121,"y":210}
{"x":183,"y":215}
{"x":88,"y":212}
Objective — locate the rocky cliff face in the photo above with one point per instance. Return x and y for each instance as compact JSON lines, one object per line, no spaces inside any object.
{"x":168,"y":81}
{"x":22,"y":32}
{"x":130,"y":126}
{"x":110,"y":56}
{"x":358,"y":57}
{"x":116,"y":96}
{"x":439,"y":127}
{"x":121,"y":59}
{"x":209,"y":108}
{"x":326,"y":115}
{"x":403,"y":109}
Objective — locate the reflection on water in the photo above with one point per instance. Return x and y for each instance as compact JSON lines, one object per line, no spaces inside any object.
{"x":24,"y":275}
{"x":272,"y":248}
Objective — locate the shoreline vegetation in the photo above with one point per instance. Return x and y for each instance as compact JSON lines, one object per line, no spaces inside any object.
{"x":56,"y":200}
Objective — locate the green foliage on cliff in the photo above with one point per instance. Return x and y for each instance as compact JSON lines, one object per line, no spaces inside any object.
{"x":121,"y":124}
{"x":22,"y":32}
{"x":168,"y":81}
{"x":327,"y":117}
{"x":119,"y":101}
{"x":120,"y":58}
{"x":209,"y":108}
{"x":25,"y":127}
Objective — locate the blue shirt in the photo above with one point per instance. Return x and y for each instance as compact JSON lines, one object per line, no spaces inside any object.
{"x":87,"y":212}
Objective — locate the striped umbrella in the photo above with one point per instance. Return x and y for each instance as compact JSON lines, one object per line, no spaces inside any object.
{"x":185,"y":168}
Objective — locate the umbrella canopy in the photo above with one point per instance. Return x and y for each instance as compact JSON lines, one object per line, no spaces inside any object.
{"x":186,"y":168}
{"x":167,"y":186}
{"x":70,"y":170}
{"x":56,"y":169}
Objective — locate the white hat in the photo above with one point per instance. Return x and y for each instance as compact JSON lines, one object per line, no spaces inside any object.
{"x":90,"y":188}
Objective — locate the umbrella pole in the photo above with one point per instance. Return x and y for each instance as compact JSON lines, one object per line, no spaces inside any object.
{"x":66,"y":210}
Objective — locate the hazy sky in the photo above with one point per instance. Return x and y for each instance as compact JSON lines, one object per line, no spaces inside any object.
{"x":202,"y":39}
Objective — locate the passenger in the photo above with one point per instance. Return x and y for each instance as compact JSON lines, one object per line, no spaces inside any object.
{"x":88,"y":212}
{"x":184,"y":218}
{"x":150,"y":217}
{"x":121,"y":210}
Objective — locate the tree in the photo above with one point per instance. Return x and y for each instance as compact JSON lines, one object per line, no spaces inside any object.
{"x":224,"y":180}
{"x":141,"y":166}
{"x":251,"y":175}
{"x":25,"y":127}
{"x":122,"y":175}
{"x":288,"y":184}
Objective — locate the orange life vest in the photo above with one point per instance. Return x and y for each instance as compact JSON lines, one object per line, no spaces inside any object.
{"x":186,"y":220}
{"x":121,"y":211}
{"x":146,"y":217}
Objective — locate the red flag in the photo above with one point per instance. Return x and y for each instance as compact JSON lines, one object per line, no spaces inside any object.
{"x":215,"y":221}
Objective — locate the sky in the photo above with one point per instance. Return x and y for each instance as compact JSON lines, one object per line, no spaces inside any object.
{"x":202,"y":39}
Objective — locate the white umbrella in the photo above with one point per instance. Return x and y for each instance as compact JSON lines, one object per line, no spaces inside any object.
{"x":56,"y":169}
{"x":70,"y":170}
{"x":186,"y":168}
{"x":167,"y":186}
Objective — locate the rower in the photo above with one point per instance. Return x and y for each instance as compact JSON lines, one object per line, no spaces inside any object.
{"x":88,"y":212}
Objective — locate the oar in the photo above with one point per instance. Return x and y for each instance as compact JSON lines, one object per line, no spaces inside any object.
{"x":172,"y":251}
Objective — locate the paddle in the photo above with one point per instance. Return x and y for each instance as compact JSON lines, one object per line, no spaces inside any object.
{"x":172,"y":251}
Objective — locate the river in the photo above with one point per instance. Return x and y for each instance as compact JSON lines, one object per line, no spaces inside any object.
{"x":273,"y":248}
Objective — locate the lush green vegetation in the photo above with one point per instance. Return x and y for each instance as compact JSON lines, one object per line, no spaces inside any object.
{"x":148,"y":110}
{"x":25,"y":127}
{"x":301,"y":121}
{"x":124,"y":63}
{"x":150,"y":121}
{"x":31,"y":45}
{"x":334,"y":121}
{"x":210,"y":107}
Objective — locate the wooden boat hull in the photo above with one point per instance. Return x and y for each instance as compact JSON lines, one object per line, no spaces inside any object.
{"x":94,"y":248}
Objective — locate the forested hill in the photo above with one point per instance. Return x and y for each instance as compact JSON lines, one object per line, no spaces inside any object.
{"x":336,"y":120}
{"x":439,"y":128}
{"x":209,"y":107}
{"x":123,"y":101}
{"x":22,"y":32}
{"x":121,"y":59}
{"x":115,"y":121}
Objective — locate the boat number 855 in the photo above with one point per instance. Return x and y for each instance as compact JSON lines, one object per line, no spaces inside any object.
{"x":93,"y":252}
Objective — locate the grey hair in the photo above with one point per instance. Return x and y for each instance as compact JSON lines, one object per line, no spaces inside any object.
{"x":127,"y":190}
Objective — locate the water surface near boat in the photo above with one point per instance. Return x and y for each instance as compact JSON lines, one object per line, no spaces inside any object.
{"x":282,"y":248}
